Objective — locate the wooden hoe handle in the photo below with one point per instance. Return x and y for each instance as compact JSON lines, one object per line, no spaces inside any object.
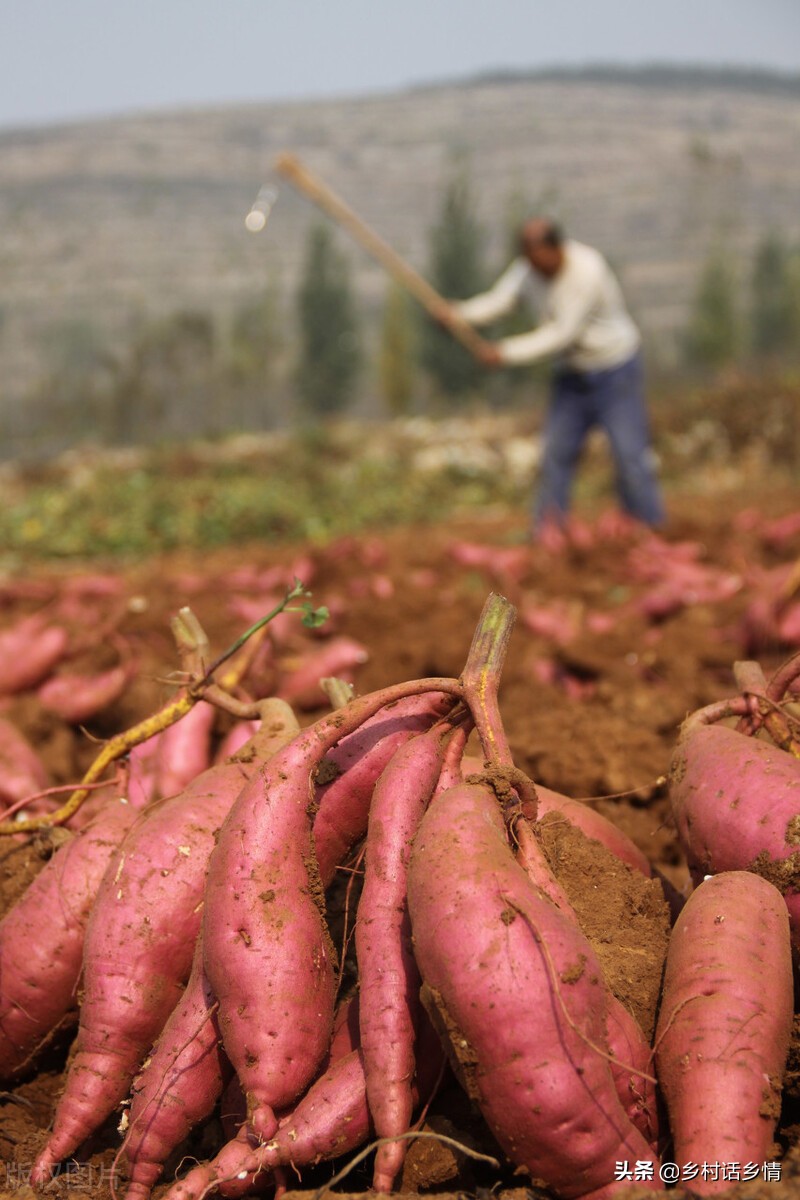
{"x":293,"y":170}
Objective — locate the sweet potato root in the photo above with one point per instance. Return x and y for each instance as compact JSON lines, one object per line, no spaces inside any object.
{"x":267,"y":951}
{"x":725,"y":1022}
{"x":736,"y":803}
{"x":29,"y":651}
{"x":179,"y":1084}
{"x":140,"y":939}
{"x":347,"y":774}
{"x":22,"y":772}
{"x":330,"y":1120}
{"x":42,"y":936}
{"x":518,"y":993}
{"x":388,"y":977}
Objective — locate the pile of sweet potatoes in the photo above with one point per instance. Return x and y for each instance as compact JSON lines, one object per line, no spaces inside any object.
{"x":192,"y":938}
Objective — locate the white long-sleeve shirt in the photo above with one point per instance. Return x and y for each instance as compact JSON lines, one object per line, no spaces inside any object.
{"x":585,"y":320}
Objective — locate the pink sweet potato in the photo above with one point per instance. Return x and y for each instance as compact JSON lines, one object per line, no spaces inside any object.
{"x":179,"y":1084}
{"x":268,"y":954}
{"x":725,"y":1021}
{"x":142,"y":785}
{"x":184,"y":749}
{"x":519,"y":992}
{"x":347,"y":774}
{"x":76,"y":697}
{"x":234,"y":739}
{"x":388,"y":977}
{"x":168,"y":762}
{"x":736,"y":803}
{"x":29,"y":651}
{"x":140,"y":939}
{"x":632,"y":1069}
{"x":42,"y":936}
{"x":338,"y":657}
{"x":22,"y":772}
{"x":629,"y":1050}
{"x":582,"y":816}
{"x":332,"y":1119}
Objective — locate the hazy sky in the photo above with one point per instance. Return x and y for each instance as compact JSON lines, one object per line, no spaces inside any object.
{"x":61,"y":59}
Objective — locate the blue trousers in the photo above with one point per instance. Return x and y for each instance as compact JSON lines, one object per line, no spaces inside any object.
{"x":612,"y":400}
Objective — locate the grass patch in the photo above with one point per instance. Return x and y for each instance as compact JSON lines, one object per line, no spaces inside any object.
{"x":169,"y":501}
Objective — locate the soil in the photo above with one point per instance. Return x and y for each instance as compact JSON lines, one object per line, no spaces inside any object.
{"x":592,"y":713}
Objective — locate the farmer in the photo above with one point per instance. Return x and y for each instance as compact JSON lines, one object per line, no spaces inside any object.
{"x":598,"y":379}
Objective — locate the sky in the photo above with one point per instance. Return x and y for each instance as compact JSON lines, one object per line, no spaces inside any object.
{"x":62,"y":60}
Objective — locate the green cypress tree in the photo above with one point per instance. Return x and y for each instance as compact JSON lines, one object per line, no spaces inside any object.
{"x":456,"y":271}
{"x":395,"y":361}
{"x":330,"y":348}
{"x":253,"y":364}
{"x":255,"y":338}
{"x":713,"y":336}
{"x":773,"y":327}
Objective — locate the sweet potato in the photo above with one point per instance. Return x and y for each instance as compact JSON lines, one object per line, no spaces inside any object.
{"x":582,"y":816}
{"x":330,"y":1120}
{"x":168,"y":762}
{"x":28,"y":652}
{"x":347,"y":774}
{"x":76,"y":697}
{"x":629,"y":1050}
{"x":388,"y":977}
{"x":140,"y":939}
{"x":725,"y":1022}
{"x":736,"y":803}
{"x":184,"y":749}
{"x":179,"y":1084}
{"x":268,"y":955}
{"x":632,"y":1069}
{"x":22,"y":772}
{"x":42,"y":936}
{"x":142,"y":785}
{"x":340,"y":657}
{"x":518,"y":994}
{"x":234,"y":739}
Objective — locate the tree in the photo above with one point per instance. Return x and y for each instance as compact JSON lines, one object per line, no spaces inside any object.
{"x":330,"y":350}
{"x":773,"y":321}
{"x":713,"y":336}
{"x":456,"y":271}
{"x":254,"y":359}
{"x":166,"y":386}
{"x":395,"y":363}
{"x":255,"y":339}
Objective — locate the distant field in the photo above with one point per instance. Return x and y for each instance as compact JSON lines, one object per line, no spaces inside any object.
{"x":106,"y":224}
{"x":350,"y":477}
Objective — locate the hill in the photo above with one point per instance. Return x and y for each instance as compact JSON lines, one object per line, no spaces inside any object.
{"x":108,"y":223}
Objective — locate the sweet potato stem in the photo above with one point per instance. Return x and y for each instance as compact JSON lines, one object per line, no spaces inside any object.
{"x":481,"y":676}
{"x":752,"y":684}
{"x":783,"y":678}
{"x":114,"y":748}
{"x":192,"y":645}
{"x":736,"y":706}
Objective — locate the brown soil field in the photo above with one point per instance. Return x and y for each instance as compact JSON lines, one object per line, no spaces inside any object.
{"x":607,"y":657}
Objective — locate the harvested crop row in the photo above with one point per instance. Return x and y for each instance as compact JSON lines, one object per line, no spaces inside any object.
{"x":469,"y":955}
